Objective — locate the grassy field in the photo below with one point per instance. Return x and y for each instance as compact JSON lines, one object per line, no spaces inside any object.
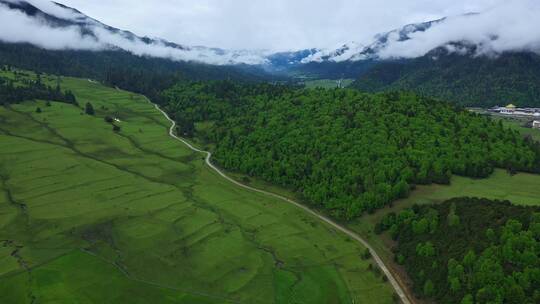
{"x":88,"y":215}
{"x":327,"y":83}
{"x":513,"y":122}
{"x":521,"y":189}
{"x":517,"y":124}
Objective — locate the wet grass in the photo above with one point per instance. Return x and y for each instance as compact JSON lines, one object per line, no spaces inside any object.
{"x":518,"y":125}
{"x":520,"y":189}
{"x":90,"y":215}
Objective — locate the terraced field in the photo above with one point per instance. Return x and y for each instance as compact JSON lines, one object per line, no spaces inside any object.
{"x":89,"y":215}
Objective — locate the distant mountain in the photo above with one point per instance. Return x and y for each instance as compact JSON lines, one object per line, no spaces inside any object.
{"x":353,"y":59}
{"x":283,"y":61}
{"x":512,"y":77}
{"x":73,"y":18}
{"x":85,"y":33}
{"x":438,"y":59}
{"x":113,"y":56}
{"x":348,"y":61}
{"x":349,"y":52}
{"x":355,"y":51}
{"x":294,"y":64}
{"x":468,"y":59}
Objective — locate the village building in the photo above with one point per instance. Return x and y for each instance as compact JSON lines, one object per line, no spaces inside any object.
{"x":509,"y":109}
{"x":515,"y":111}
{"x":536,"y":124}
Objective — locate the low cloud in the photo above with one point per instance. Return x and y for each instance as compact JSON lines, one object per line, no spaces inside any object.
{"x":509,"y":25}
{"x":17,"y":27}
{"x":512,"y":26}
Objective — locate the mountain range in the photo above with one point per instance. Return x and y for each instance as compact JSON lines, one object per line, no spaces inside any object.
{"x":430,"y":57}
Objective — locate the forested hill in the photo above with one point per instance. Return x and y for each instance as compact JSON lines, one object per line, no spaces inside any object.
{"x":139,"y":74}
{"x":465,"y":80}
{"x":345,"y":151}
{"x":22,"y":89}
{"x":453,"y":255}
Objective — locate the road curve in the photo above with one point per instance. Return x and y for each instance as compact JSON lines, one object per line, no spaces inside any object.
{"x":397,"y":287}
{"x":404,"y":297}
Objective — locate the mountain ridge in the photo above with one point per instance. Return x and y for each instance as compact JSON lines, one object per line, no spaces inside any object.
{"x":443,"y":69}
{"x":104,"y":36}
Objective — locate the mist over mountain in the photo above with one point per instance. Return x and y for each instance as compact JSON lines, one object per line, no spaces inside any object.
{"x":448,"y":58}
{"x":57,"y":27}
{"x":512,"y":77}
{"x":504,"y":28}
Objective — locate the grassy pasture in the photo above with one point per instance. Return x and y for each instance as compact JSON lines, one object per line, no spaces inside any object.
{"x":517,"y":124}
{"x":89,"y":215}
{"x":521,"y":189}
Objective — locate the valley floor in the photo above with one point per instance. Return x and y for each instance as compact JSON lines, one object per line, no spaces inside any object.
{"x":520,"y":189}
{"x":90,"y":215}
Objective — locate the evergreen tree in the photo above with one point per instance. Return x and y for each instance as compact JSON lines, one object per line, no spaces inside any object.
{"x":342,"y":150}
{"x":501,"y":268}
{"x":89,"y":109}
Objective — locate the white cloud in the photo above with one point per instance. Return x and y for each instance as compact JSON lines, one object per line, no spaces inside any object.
{"x":279,"y":25}
{"x":17,"y":27}
{"x":512,"y":26}
{"x":275,"y":25}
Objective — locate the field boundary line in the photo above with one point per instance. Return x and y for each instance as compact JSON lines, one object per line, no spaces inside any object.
{"x":401,"y":292}
{"x":393,"y":281}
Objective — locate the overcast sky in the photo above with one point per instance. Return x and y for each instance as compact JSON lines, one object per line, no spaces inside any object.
{"x":270,"y":24}
{"x":276,"y":25}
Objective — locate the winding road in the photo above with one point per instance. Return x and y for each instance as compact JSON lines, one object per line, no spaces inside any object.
{"x":401,"y":292}
{"x":405,"y":298}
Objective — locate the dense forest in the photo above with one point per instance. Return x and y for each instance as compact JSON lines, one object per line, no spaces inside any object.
{"x":24,"y":89}
{"x":138,"y":74}
{"x":453,"y":255}
{"x":466,"y":80}
{"x":345,"y":151}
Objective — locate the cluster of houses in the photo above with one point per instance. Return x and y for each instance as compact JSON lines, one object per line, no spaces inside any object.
{"x":513,"y":110}
{"x":522,"y":112}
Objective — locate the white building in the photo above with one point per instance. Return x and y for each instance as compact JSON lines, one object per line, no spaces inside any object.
{"x":536,"y":124}
{"x":515,"y":111}
{"x":509,"y":109}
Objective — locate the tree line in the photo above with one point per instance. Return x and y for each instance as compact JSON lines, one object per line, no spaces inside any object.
{"x":139,"y":74}
{"x":480,"y":81}
{"x":453,"y":255}
{"x":26,"y":89}
{"x":345,"y":151}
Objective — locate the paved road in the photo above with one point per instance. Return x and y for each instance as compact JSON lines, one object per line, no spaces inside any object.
{"x":397,"y":287}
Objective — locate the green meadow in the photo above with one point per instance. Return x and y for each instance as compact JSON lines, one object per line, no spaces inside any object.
{"x":517,"y":124}
{"x":90,"y":215}
{"x":520,"y":189}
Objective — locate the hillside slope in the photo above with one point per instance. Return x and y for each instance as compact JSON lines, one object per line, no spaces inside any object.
{"x":88,"y":214}
{"x":145,"y":75}
{"x":465,"y":80}
{"x":344,"y":151}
